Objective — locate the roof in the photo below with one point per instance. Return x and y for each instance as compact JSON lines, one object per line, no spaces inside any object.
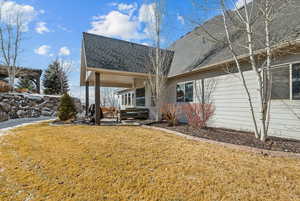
{"x":197,"y":49}
{"x":114,"y":54}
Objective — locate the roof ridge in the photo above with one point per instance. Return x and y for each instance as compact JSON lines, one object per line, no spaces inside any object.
{"x":124,"y":41}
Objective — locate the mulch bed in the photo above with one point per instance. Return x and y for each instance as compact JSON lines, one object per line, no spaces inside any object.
{"x":236,"y":137}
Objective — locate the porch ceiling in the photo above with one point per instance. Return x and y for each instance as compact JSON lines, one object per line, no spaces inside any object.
{"x":115,"y":79}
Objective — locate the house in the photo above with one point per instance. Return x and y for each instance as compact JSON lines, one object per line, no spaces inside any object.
{"x":196,"y":60}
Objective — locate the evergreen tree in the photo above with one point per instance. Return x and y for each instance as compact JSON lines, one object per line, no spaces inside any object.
{"x":67,"y":109}
{"x":55,"y":80}
{"x":26,"y":83}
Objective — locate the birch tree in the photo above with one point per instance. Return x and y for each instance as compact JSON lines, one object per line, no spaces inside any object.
{"x":11,"y":37}
{"x":253,"y":22}
{"x":159,"y":58}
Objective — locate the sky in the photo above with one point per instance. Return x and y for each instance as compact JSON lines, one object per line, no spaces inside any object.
{"x":54,"y":28}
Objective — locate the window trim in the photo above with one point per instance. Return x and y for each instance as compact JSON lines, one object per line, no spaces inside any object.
{"x":184,"y":85}
{"x":290,"y":66}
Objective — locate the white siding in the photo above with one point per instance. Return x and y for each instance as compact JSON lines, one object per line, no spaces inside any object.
{"x":232,"y":106}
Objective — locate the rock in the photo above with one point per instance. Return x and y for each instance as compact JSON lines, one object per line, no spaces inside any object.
{"x":46,"y":113}
{"x":5,"y":107}
{"x":21,"y":113}
{"x":3,"y":116}
{"x":37,"y":99}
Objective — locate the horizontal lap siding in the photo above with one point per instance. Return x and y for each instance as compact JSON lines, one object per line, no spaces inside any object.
{"x":231,"y":102}
{"x":232,"y":106}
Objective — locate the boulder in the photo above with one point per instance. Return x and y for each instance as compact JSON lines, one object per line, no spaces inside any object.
{"x":5,"y":107}
{"x":21,"y":113}
{"x":3,"y":116}
{"x":46,"y":113}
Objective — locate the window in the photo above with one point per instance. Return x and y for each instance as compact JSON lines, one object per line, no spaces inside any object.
{"x":123,"y":100}
{"x":185,"y":92}
{"x":296,"y":82}
{"x":129,"y":99}
{"x":286,"y":82}
{"x":280,"y":83}
{"x":126,"y":100}
{"x":140,"y":97}
{"x":180,"y":93}
{"x":189,"y":92}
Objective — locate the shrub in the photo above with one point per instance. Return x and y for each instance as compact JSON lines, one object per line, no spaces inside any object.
{"x":198,"y":114}
{"x":170,"y":113}
{"x":4,"y":87}
{"x":66,"y":110}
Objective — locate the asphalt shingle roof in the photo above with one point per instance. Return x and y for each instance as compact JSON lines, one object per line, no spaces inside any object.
{"x":114,"y":54}
{"x":194,"y":50}
{"x":197,"y":49}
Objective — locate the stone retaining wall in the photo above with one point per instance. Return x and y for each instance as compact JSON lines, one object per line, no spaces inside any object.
{"x":14,"y":105}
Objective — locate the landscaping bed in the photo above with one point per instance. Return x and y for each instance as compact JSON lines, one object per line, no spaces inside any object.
{"x":237,"y":137}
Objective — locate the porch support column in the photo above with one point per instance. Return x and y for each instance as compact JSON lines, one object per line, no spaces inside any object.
{"x":97,"y":98}
{"x":87,"y":95}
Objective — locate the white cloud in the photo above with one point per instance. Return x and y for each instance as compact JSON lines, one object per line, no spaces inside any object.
{"x":41,"y":28}
{"x":42,"y":11}
{"x":240,"y":3}
{"x":180,"y":19}
{"x":128,"y":25}
{"x":64,"y":51}
{"x":116,"y":24}
{"x":11,"y":12}
{"x":43,"y":50}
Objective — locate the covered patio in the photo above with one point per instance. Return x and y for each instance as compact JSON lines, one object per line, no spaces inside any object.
{"x":107,"y":62}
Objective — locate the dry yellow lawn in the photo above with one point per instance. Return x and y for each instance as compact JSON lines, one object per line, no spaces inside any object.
{"x":83,"y":163}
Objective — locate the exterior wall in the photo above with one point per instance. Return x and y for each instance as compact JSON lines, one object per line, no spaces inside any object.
{"x":232,"y":106}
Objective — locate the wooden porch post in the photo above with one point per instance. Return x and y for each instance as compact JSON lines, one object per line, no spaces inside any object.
{"x":87,"y":96}
{"x":97,"y":98}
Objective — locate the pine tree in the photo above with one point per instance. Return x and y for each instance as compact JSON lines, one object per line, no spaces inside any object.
{"x":67,"y":109}
{"x":26,"y":83}
{"x":55,"y":80}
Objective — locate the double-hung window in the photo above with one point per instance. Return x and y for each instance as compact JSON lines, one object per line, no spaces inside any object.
{"x":185,"y":92}
{"x":286,"y":82}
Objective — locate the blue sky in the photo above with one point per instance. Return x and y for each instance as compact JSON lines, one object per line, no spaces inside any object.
{"x":55,"y":27}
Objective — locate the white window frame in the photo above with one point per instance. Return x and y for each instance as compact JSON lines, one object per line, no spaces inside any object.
{"x":184,"y":83}
{"x":290,"y":66}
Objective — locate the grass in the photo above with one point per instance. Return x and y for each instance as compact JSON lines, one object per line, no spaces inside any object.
{"x":82,"y":163}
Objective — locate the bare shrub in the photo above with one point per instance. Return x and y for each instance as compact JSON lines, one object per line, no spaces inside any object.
{"x":170,"y":113}
{"x":198,"y":114}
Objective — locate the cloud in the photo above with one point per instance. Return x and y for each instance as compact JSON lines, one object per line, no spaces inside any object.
{"x":180,"y":19}
{"x":41,"y":28}
{"x":64,"y":51}
{"x":116,"y":24}
{"x":11,"y":12}
{"x":147,"y":16}
{"x":126,"y":7}
{"x":240,"y":3}
{"x":43,"y":50}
